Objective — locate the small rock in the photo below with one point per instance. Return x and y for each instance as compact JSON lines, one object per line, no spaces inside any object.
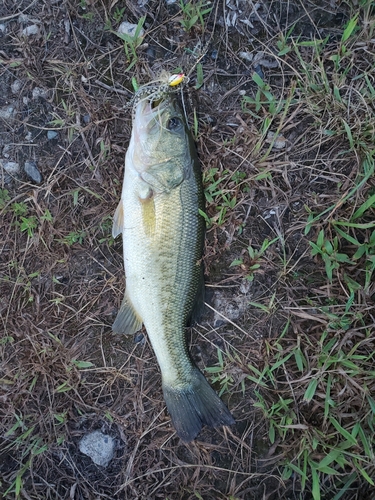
{"x":39,"y":92}
{"x":2,"y":28}
{"x":16,"y":86}
{"x":51,"y":134}
{"x":245,"y":285}
{"x":7,"y":112}
{"x":259,"y":71}
{"x":87,"y":118}
{"x":228,"y":308}
{"x":23,"y":18}
{"x":29,"y":137}
{"x":139,"y":339}
{"x":151,"y":53}
{"x":7,"y":150}
{"x":247,"y":56}
{"x":10,"y":167}
{"x":32,"y":172}
{"x":129,"y":29}
{"x":99,"y":447}
{"x":30,"y":30}
{"x":278,"y":143}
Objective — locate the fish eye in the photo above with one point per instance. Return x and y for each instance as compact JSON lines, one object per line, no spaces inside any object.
{"x":173,"y":123}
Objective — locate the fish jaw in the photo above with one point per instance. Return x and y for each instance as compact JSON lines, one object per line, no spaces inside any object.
{"x":147,"y":117}
{"x":153,"y":146}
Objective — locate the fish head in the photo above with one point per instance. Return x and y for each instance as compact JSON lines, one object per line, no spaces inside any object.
{"x":161,"y":147}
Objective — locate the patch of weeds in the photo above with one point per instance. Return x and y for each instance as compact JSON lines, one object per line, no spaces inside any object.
{"x":356,"y":235}
{"x":269,"y":308}
{"x":104,"y":151}
{"x":221,"y":190}
{"x":131,"y":43}
{"x":105,"y":231}
{"x":266,"y":108}
{"x":329,"y":86}
{"x":249,"y":262}
{"x":200,"y":79}
{"x":74,"y":237}
{"x":328,"y":251}
{"x":28,"y":223}
{"x":368,"y":167}
{"x":221,"y":374}
{"x":279,"y":415}
{"x":30,"y":447}
{"x":331,"y":444}
{"x":64,"y":118}
{"x":193,"y":12}
{"x":118,"y":14}
{"x":89,"y":16}
{"x":4,"y":198}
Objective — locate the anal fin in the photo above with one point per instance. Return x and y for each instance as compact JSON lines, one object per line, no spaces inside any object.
{"x":127,"y":320}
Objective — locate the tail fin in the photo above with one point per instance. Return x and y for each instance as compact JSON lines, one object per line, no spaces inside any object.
{"x":193,"y":405}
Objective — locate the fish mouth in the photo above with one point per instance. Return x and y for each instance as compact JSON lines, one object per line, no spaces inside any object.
{"x":148,"y":114}
{"x":148,"y":108}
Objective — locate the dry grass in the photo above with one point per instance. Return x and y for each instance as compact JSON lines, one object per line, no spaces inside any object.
{"x":292,"y":340}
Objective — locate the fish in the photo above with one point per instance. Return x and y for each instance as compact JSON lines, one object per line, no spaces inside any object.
{"x":163,"y":235}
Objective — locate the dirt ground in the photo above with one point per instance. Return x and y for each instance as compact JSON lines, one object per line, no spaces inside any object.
{"x":65,"y":82}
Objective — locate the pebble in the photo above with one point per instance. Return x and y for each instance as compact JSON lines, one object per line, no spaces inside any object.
{"x":99,"y":447}
{"x":16,"y":86}
{"x":30,"y":30}
{"x":151,"y":53}
{"x":7,"y":112}
{"x":23,"y":18}
{"x":32,"y":171}
{"x":139,"y":339}
{"x":258,"y":70}
{"x":7,"y":150}
{"x":279,"y":141}
{"x":51,"y":134}
{"x":228,"y":308}
{"x":246,"y":55}
{"x":39,"y":92}
{"x":2,"y":28}
{"x":10,"y":167}
{"x":129,"y":29}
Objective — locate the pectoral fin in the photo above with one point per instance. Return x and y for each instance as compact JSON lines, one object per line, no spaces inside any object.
{"x":127,"y":320}
{"x":118,"y":220}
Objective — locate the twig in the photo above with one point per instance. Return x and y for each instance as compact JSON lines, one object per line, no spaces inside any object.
{"x":17,"y":13}
{"x":114,"y":89}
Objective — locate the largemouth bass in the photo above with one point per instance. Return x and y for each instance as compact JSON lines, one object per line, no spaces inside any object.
{"x":163,"y":232}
